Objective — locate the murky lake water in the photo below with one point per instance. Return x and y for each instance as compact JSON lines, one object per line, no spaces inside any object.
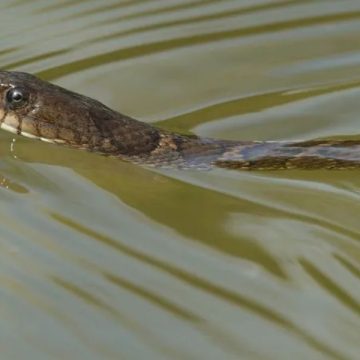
{"x":106,"y":260}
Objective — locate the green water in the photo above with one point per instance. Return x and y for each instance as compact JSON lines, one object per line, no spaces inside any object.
{"x":106,"y":260}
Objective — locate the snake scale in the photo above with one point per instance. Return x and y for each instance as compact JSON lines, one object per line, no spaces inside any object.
{"x":37,"y":109}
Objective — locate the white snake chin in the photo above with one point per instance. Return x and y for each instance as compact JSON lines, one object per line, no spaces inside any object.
{"x":14,"y":130}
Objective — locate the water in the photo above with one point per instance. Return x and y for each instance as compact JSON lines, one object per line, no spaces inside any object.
{"x":106,"y":260}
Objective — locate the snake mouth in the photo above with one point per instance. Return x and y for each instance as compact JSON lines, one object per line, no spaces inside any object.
{"x":11,"y":123}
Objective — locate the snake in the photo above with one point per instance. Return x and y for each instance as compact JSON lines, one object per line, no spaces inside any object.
{"x":37,"y":109}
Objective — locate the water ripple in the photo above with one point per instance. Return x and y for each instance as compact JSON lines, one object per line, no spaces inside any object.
{"x":103,"y":259}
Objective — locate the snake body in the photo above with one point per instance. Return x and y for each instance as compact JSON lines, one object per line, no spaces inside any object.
{"x":37,"y":109}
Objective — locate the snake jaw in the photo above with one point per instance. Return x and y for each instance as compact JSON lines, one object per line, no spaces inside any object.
{"x":10,"y":123}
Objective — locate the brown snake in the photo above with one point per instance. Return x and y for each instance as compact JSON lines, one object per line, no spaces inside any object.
{"x":40,"y":110}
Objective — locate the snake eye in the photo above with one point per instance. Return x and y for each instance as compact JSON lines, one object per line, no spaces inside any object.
{"x":16,"y":97}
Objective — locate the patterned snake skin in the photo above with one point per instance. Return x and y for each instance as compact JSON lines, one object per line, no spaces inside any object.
{"x":40,"y":110}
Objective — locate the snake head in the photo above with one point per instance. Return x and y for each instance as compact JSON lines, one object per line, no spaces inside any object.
{"x":37,"y":109}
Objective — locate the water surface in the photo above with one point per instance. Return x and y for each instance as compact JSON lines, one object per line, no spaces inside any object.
{"x":106,"y":260}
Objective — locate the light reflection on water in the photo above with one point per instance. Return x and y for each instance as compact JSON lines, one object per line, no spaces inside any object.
{"x":102,"y":259}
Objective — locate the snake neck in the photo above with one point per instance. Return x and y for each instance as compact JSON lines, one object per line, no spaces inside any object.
{"x":175,"y":150}
{"x":108,"y":132}
{"x":111,"y":133}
